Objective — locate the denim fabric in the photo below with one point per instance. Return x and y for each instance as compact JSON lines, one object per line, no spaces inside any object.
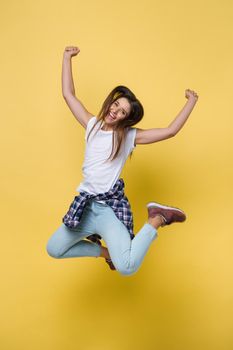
{"x":99,"y":218}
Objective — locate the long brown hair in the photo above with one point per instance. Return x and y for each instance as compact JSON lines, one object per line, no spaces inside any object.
{"x":135,"y":115}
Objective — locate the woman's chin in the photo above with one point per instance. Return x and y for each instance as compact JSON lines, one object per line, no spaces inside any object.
{"x":109,"y":121}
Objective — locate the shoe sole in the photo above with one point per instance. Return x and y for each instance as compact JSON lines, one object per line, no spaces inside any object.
{"x":154,"y":205}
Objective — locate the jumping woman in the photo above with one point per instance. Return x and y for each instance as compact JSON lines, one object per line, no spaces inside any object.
{"x":102,"y":210}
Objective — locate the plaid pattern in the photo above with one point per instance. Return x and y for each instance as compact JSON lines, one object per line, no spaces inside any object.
{"x":115,"y":198}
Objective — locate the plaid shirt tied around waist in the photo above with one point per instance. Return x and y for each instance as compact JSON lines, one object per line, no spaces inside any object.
{"x":115,"y":198}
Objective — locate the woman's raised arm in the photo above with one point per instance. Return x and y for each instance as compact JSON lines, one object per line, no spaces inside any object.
{"x":159,"y":134}
{"x":68,"y":91}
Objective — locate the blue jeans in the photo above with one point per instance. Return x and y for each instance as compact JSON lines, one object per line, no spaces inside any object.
{"x":126,"y":254}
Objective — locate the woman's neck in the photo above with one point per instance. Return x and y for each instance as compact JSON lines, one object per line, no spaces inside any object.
{"x":106,"y":127}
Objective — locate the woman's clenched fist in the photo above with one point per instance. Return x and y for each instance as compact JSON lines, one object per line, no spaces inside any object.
{"x":71,"y":51}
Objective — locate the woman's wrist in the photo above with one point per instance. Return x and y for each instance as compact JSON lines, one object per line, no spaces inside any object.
{"x":192,"y":100}
{"x":67,"y":57}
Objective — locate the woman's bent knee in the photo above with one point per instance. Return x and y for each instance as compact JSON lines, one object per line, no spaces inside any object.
{"x":52,"y":251}
{"x":126,"y":270}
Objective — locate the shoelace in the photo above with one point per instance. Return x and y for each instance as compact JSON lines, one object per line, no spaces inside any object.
{"x":164,"y":220}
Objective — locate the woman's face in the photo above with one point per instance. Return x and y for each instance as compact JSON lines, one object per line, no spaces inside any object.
{"x":120,"y":109}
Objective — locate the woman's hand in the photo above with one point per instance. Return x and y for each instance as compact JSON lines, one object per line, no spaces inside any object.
{"x":190,"y":94}
{"x":71,"y":51}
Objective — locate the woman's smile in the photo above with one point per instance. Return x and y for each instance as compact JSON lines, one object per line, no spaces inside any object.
{"x":111,"y":116}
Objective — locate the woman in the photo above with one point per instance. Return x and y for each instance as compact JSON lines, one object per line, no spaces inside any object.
{"x":101,"y":210}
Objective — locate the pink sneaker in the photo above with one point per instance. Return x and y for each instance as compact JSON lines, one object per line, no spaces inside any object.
{"x":169,"y":214}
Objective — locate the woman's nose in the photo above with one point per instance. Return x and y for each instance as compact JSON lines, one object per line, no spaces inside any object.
{"x":115,"y":110}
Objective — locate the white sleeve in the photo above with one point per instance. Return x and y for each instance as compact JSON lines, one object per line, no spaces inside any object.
{"x":130,"y":140}
{"x":90,"y":124}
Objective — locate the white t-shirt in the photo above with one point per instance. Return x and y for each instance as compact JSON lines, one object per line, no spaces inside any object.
{"x":100,"y":174}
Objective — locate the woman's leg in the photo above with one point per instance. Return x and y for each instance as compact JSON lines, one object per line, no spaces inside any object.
{"x":69,"y":243}
{"x":126,"y":254}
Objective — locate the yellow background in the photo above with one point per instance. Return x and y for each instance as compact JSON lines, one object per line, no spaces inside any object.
{"x":182,"y":295}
